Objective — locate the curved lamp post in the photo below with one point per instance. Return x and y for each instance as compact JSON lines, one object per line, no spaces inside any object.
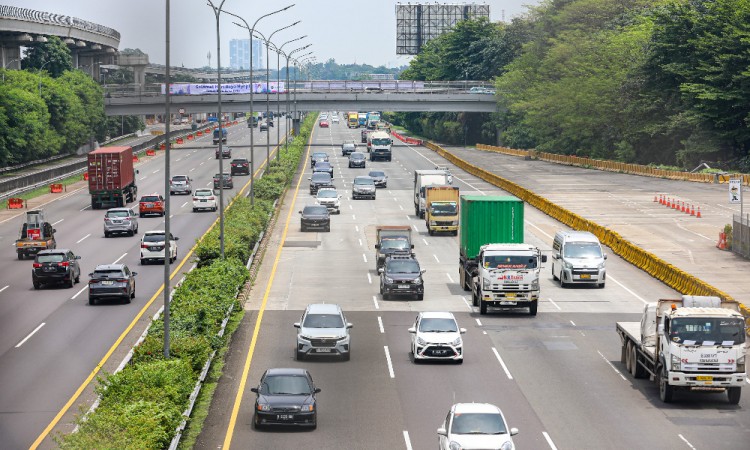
{"x":279,"y":52}
{"x":288,"y":121}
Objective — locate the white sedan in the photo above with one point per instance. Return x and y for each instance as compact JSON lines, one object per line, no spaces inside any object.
{"x":436,"y":335}
{"x":475,"y":425}
{"x":204,"y":199}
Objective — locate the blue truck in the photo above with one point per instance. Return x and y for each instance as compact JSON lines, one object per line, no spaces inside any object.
{"x":220,"y":132}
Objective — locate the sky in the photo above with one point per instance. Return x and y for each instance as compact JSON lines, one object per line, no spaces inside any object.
{"x":348,"y":31}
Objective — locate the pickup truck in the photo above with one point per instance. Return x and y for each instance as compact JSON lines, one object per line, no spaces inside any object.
{"x":36,"y":235}
{"x":392,"y":240}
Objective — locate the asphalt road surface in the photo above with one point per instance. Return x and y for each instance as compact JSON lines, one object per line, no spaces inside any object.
{"x":557,"y":376}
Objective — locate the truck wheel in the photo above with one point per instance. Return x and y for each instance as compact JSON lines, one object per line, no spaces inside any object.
{"x":429,"y":231}
{"x":533,"y":308}
{"x":482,"y":308}
{"x":20,"y":255}
{"x":733,"y":394}
{"x":666,"y":392}
{"x":636,"y":369}
{"x":624,"y":354}
{"x":628,"y":355}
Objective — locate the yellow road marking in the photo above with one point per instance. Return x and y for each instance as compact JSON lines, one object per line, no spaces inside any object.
{"x":122,"y":336}
{"x":256,"y":331}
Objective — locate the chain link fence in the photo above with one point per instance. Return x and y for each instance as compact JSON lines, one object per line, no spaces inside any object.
{"x":741,"y":235}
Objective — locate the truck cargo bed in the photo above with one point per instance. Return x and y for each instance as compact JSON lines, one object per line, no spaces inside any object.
{"x":633,"y":331}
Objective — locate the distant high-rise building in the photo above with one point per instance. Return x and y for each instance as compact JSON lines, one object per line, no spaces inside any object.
{"x":239,"y":54}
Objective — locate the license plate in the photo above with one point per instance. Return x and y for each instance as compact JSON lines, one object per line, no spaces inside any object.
{"x":49,"y":269}
{"x":403,"y":286}
{"x":149,"y":205}
{"x":585,"y":276}
{"x":284,"y":416}
{"x":107,"y":283}
{"x":439,"y":352}
{"x":117,"y":222}
{"x":704,"y":378}
{"x":510,"y":295}
{"x":204,"y":201}
{"x":508,"y":303}
{"x":323,"y":350}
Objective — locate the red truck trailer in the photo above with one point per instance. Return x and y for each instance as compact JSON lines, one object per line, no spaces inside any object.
{"x":111,"y":177}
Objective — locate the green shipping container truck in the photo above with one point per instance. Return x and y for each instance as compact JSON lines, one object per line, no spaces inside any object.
{"x":486,"y":220}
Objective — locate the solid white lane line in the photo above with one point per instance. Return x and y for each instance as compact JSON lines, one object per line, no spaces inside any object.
{"x":549,"y":440}
{"x":388,"y":358}
{"x":538,"y":229}
{"x":611,"y":365}
{"x":556,"y":305}
{"x":55,"y":223}
{"x":414,"y":226}
{"x":364,"y":257}
{"x":479,"y":322}
{"x":425,"y":241}
{"x":32,"y":333}
{"x":79,"y":240}
{"x":375,"y":301}
{"x":118,"y":259}
{"x":467,"y":303}
{"x":79,"y":292}
{"x":6,"y":287}
{"x":407,"y":440}
{"x":623,"y":286}
{"x":686,"y":441}
{"x":449,"y":277}
{"x":572,"y":323}
{"x":85,"y":208}
{"x":369,"y":279}
{"x":502,"y":363}
{"x":436,"y":258}
{"x":380,"y":324}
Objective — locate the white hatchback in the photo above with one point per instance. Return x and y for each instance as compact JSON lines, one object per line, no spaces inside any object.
{"x":475,"y":425}
{"x":152,"y":247}
{"x":204,"y":199}
{"x":436,"y":335}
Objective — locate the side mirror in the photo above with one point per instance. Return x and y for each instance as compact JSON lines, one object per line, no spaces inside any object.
{"x":462,"y":330}
{"x":78,"y":257}
{"x":556,"y":256}
{"x":309,"y":179}
{"x":296,"y":325}
{"x":317,"y":390}
{"x":377,"y":246}
{"x":412,"y":245}
{"x":254,"y":390}
{"x":544,"y":258}
{"x":176,"y":238}
{"x":381,"y":270}
{"x":134,"y":273}
{"x":412,"y":330}
{"x":442,"y":432}
{"x":605,"y":256}
{"x":54,"y":230}
{"x":91,"y":275}
{"x":660,"y":328}
{"x":513,"y":431}
{"x":423,"y":271}
{"x":299,"y":212}
{"x":349,"y":325}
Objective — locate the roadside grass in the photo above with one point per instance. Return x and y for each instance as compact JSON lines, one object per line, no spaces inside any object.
{"x":38,"y":192}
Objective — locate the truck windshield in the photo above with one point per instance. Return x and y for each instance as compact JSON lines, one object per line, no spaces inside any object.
{"x":443,"y":209}
{"x":510,"y":261}
{"x":585,"y":250}
{"x":381,"y":141}
{"x":397,"y":243}
{"x":707,"y":330}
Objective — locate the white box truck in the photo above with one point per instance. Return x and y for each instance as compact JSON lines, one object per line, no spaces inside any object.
{"x":424,"y":178}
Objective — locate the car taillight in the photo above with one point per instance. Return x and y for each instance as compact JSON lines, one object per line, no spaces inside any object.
{"x":212,"y":198}
{"x":63,"y":264}
{"x":122,"y":280}
{"x":195,"y":199}
{"x":144,"y":246}
{"x":37,"y":265}
{"x":106,"y":219}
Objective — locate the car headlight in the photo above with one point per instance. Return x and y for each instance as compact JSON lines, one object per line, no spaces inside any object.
{"x":421,"y":341}
{"x":457,"y":342}
{"x":264,"y":407}
{"x":507,"y":446}
{"x":486,"y":284}
{"x":454,"y":446}
{"x":535,"y":285}
{"x":417,"y":280}
{"x":388,"y":280}
{"x":454,"y":223}
{"x":567,"y":265}
{"x":675,"y":363}
{"x":741,"y":364}
{"x":601,"y":265}
{"x":306,"y":338}
{"x":433,"y":222}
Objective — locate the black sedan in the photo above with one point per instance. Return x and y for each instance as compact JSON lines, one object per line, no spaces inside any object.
{"x":111,"y":281}
{"x":227,"y":179}
{"x":226,"y":152}
{"x":357,"y":159}
{"x":286,"y":397}
{"x":315,"y":217}
{"x":240,"y":166}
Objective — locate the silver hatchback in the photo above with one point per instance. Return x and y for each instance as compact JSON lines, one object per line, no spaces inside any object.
{"x":120,"y":220}
{"x":323,"y":331}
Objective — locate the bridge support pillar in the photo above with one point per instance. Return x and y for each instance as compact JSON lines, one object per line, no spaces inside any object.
{"x":8,"y":53}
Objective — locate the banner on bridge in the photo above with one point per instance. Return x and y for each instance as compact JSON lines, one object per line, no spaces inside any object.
{"x":226,"y":88}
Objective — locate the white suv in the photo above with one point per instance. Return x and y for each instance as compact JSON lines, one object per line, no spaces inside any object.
{"x":330,"y":198}
{"x":323,"y":331}
{"x":436,"y":335}
{"x":204,"y":199}
{"x":152,"y":247}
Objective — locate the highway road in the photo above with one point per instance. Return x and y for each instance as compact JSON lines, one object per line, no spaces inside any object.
{"x":51,"y":339}
{"x":557,"y":376}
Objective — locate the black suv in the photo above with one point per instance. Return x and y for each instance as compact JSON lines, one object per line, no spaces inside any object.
{"x":286,"y":397}
{"x":111,"y":281}
{"x":227,"y":178}
{"x":357,"y":159}
{"x":226,"y":152}
{"x":323,"y":166}
{"x":318,"y":156}
{"x":315,"y":216}
{"x":55,"y":266}
{"x":240,"y":166}
{"x":401,"y":275}
{"x":319,"y":180}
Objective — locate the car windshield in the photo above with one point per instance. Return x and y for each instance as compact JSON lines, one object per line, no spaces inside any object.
{"x":403,"y":266}
{"x":50,"y":258}
{"x":323,"y":321}
{"x":509,"y":261}
{"x":444,"y":209}
{"x":239,"y":161}
{"x":476,"y":423}
{"x":319,"y":156}
{"x":585,"y":250}
{"x":153,"y":238}
{"x":697,"y":331}
{"x":357,"y":156}
{"x":376,"y":174}
{"x":108,"y":273}
{"x":314,"y":210}
{"x":181,"y":178}
{"x":327,"y":193}
{"x":203,"y":193}
{"x":435,"y":325}
{"x":363,"y":181}
{"x":323,"y":165}
{"x":321,"y":177}
{"x":117,"y":214}
{"x":395,"y":243}
{"x":381,"y":141}
{"x":226,"y":175}
{"x":285,"y":385}
{"x":149,"y":198}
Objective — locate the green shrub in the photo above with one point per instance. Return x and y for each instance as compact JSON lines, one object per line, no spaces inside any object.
{"x":169,"y":382}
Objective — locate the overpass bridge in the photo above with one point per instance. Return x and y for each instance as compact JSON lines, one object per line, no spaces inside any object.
{"x":318,"y":96}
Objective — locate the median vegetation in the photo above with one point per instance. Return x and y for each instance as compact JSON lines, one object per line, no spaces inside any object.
{"x":142,"y":405}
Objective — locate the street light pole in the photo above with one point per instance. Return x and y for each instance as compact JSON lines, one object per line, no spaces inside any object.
{"x":251,"y":32}
{"x":6,"y":65}
{"x":217,"y":13}
{"x":278,"y":92}
{"x":167,"y":202}
{"x":40,"y":77}
{"x":296,"y":62}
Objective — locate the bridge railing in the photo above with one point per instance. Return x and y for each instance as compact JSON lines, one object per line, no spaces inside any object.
{"x":29,"y":15}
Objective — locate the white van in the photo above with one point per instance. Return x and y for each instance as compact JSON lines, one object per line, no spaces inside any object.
{"x":578,"y":258}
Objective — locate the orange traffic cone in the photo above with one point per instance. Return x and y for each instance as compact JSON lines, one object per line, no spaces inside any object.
{"x":698,"y":214}
{"x":669,"y":203}
{"x":722,"y":244}
{"x":683,"y":207}
{"x":661,"y":199}
{"x":692,"y":210}
{"x":656,"y":198}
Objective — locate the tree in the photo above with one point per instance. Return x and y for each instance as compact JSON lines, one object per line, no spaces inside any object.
{"x":53,"y":55}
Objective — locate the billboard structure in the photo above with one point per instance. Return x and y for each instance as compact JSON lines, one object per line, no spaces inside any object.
{"x":418,"y":24}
